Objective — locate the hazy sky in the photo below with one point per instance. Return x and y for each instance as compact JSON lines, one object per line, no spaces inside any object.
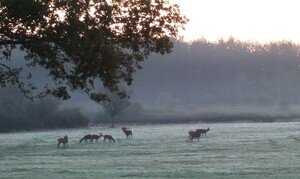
{"x":255,"y":20}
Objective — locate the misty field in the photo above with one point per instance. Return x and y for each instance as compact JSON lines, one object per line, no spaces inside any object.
{"x":239,"y":150}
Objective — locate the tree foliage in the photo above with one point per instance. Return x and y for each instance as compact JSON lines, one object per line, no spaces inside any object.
{"x":84,"y":42}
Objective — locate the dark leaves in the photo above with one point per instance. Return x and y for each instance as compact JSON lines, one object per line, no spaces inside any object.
{"x":80,"y":42}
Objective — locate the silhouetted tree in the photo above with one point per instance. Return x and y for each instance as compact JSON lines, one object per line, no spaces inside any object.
{"x":114,"y":106}
{"x":81,"y":42}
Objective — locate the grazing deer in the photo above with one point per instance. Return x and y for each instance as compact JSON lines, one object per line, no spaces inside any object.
{"x":87,"y":137}
{"x":96,"y":137}
{"x":63,"y":141}
{"x":127,"y":132}
{"x":109,"y":137}
{"x":194,"y":135}
{"x":203,"y":131}
{"x":191,"y":133}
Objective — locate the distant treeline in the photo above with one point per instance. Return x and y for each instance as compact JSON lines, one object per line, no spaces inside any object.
{"x":226,"y":72}
{"x":223,"y":118}
{"x":204,"y":81}
{"x":138,"y":114}
{"x":17,"y":113}
{"x":201,"y":81}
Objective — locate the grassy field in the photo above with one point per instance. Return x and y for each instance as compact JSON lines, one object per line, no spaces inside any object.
{"x":237,"y":150}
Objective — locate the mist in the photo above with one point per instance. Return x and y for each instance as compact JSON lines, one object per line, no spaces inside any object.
{"x":18,"y":113}
{"x":221,"y":81}
{"x":225,"y":80}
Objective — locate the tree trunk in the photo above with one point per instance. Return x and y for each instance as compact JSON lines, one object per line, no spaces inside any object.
{"x":112,"y":122}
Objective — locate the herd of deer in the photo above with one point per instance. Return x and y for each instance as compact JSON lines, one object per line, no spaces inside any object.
{"x":92,"y":137}
{"x":192,"y":135}
{"x":198,"y":133}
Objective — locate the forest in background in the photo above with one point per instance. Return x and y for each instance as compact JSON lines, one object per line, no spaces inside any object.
{"x":18,"y":113}
{"x":221,"y":81}
{"x":225,"y":73}
{"x":227,"y":80}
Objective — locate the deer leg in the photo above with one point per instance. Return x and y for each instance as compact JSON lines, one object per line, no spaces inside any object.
{"x":58,"y":145}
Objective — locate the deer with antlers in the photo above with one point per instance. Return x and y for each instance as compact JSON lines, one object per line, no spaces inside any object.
{"x":127,"y":132}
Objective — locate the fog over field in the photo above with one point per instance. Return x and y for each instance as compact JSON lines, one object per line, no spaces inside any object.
{"x":224,"y":77}
{"x":149,"y":89}
{"x":205,"y":80}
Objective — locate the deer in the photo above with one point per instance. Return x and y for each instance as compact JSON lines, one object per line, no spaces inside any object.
{"x":203,"y":131}
{"x":86,"y":137}
{"x":96,"y":137}
{"x":194,"y":135}
{"x":63,"y":141}
{"x":198,"y":133}
{"x":127,"y":132}
{"x":109,"y":137}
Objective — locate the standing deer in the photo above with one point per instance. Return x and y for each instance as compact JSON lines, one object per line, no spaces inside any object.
{"x":63,"y":141}
{"x":198,"y":133}
{"x":127,"y":132}
{"x":203,"y":131}
{"x":109,"y":137}
{"x":194,"y":135}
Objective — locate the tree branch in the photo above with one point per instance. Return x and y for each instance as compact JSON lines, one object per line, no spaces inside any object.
{"x":25,"y":41}
{"x":14,"y":42}
{"x":13,"y":76}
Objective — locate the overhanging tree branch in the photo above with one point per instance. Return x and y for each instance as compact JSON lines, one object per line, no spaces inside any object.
{"x":84,"y":42}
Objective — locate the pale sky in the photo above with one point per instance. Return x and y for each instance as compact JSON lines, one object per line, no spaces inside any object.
{"x":255,"y":20}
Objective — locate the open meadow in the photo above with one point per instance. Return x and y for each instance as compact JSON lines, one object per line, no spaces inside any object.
{"x":237,"y":150}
